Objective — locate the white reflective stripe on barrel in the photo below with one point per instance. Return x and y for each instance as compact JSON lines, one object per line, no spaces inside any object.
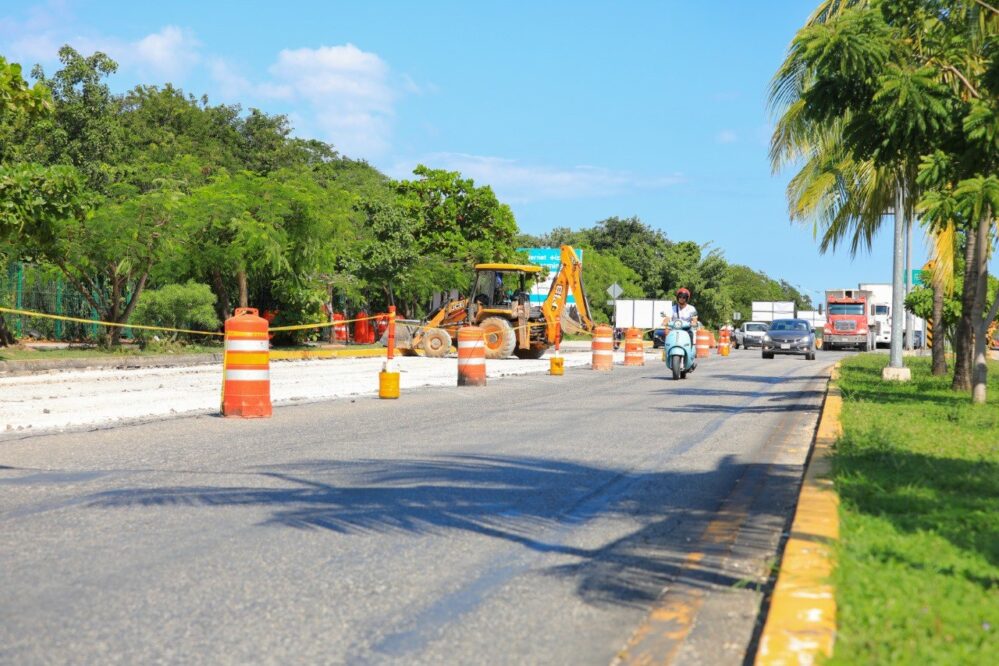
{"x":472,"y":361}
{"x":603,"y":352}
{"x":471,"y":344}
{"x":247,"y":375}
{"x":606,"y":340}
{"x":246,"y":345}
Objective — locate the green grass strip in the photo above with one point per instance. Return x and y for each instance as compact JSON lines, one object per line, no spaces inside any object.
{"x":917,"y":471}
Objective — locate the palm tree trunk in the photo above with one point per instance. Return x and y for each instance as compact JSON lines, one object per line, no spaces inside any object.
{"x":964,"y":336}
{"x":938,"y":350}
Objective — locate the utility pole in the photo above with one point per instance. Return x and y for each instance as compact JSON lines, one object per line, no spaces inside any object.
{"x":909,"y":338}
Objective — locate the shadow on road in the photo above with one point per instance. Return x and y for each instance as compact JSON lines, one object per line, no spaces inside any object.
{"x":536,"y":503}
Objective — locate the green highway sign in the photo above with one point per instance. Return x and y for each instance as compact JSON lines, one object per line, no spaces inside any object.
{"x":917,"y":277}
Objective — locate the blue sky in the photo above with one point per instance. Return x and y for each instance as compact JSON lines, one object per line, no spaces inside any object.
{"x":571,"y":111}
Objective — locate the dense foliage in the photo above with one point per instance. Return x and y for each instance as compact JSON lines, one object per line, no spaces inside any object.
{"x":892,"y":106}
{"x":122,"y":193}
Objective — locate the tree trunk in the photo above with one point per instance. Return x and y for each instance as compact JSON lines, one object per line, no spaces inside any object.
{"x":7,"y":338}
{"x":964,"y":336}
{"x":244,"y":297}
{"x":221,"y":296}
{"x":978,"y":316}
{"x":938,"y":350}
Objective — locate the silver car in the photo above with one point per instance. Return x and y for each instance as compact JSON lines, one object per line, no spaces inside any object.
{"x":789,"y":336}
{"x":750,"y":334}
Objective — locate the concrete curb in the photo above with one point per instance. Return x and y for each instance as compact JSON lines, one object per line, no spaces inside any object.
{"x":801,"y":622}
{"x":41,"y":365}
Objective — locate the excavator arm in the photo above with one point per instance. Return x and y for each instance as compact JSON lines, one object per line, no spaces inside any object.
{"x":569,"y":278}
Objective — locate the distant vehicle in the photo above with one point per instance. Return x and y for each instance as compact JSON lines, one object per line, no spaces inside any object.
{"x":750,"y":334}
{"x":849,"y":322}
{"x":789,"y":336}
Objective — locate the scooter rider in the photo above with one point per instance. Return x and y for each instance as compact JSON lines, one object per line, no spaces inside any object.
{"x":684,"y":311}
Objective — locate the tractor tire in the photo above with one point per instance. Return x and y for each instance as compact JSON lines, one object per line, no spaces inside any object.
{"x":436,"y":343}
{"x":532,"y":353}
{"x":499,"y":336}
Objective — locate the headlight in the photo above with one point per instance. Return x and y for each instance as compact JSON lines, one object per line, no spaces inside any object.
{"x":766,"y":338}
{"x":804,"y":339}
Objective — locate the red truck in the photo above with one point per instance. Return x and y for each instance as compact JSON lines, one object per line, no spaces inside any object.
{"x":849,"y":319}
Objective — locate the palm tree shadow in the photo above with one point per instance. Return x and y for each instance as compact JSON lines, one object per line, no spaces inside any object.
{"x":532,"y":502}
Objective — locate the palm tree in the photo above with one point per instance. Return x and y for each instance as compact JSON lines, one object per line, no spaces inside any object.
{"x":843,"y":191}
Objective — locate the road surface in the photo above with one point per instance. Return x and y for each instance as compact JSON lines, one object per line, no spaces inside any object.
{"x":576,"y":519}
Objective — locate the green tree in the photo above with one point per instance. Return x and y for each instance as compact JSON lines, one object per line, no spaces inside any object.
{"x":181,"y":306}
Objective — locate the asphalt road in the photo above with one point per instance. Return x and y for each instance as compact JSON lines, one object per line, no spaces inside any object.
{"x":556,"y":520}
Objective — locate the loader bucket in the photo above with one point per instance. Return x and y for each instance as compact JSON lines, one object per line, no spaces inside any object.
{"x":405,"y":332}
{"x":571,"y":324}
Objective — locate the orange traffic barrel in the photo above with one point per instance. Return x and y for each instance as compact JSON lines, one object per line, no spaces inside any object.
{"x":363,"y":333}
{"x":702,"y":343}
{"x":724,"y":341}
{"x":603,"y":348}
{"x":634,"y":353}
{"x":246,"y":381}
{"x":471,"y":356}
{"x":339,"y":328}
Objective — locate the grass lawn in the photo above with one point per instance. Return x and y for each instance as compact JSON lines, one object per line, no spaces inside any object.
{"x":917,"y":471}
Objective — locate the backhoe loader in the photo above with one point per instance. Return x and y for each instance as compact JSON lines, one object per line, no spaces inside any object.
{"x":500,"y":303}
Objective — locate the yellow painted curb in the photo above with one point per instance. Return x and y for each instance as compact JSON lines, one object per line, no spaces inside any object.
{"x":801,"y":624}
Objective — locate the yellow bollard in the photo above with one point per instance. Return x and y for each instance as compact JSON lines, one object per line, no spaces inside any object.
{"x":388,"y":378}
{"x":557,"y":366}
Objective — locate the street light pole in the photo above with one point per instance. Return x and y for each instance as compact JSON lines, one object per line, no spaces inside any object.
{"x":896,"y":370}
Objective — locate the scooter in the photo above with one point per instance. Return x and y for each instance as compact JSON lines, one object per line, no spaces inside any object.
{"x":678,"y":351}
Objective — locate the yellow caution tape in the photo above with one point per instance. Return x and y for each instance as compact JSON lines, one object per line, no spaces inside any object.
{"x":29,"y":313}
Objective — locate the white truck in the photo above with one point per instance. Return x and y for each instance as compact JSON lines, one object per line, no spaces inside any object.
{"x":767,"y":311}
{"x":880,"y":311}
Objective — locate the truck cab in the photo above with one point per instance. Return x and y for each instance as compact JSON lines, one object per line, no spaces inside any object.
{"x":849,"y":320}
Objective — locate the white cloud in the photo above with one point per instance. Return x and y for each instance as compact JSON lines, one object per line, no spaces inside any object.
{"x":167,"y":54}
{"x":726,"y":136}
{"x":170,"y":53}
{"x":341,"y":93}
{"x":348,"y":91}
{"x":516,"y":182}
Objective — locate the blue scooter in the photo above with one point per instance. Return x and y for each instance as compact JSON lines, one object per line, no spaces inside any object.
{"x":678,"y":351}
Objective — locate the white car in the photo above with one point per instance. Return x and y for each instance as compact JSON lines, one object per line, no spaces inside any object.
{"x":750,"y":334}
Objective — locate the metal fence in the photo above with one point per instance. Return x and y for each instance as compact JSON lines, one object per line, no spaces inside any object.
{"x":29,"y":287}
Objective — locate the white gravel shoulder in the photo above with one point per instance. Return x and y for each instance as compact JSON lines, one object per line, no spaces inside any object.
{"x":59,"y":400}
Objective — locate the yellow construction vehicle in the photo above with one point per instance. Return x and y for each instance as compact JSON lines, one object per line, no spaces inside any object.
{"x":500,"y":303}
